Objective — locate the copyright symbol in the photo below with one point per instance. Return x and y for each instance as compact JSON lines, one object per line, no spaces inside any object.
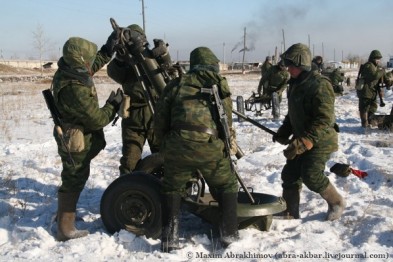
{"x":189,"y":254}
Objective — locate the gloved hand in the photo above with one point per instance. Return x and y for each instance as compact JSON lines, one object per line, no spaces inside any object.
{"x":382,"y":104}
{"x":115,"y":99}
{"x":109,"y":47}
{"x":297,"y":147}
{"x":280,"y":139}
{"x":160,"y":48}
{"x":359,"y":173}
{"x":282,"y":136}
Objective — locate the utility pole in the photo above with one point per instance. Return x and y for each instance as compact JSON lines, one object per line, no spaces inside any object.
{"x":309,"y":41}
{"x":283,"y":39}
{"x":223,"y":53}
{"x":143,"y":16}
{"x":244,"y":49}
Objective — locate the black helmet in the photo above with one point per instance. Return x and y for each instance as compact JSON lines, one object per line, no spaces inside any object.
{"x":298,"y":55}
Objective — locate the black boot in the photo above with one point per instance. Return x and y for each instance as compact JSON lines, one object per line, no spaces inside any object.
{"x":170,"y":222}
{"x":292,"y":199}
{"x":228,"y":221}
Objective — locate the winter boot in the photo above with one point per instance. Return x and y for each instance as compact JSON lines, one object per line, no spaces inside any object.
{"x":66,"y":217}
{"x":228,"y":220}
{"x":292,"y":199}
{"x":335,"y":202}
{"x":364,"y":119}
{"x":170,"y":222}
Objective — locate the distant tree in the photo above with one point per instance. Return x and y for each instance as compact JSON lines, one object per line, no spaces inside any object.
{"x":355,"y":59}
{"x":41,"y":43}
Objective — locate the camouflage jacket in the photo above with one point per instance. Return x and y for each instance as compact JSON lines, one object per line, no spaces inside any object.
{"x":265,"y":67}
{"x":182,"y":103}
{"x":141,"y":116}
{"x":77,"y":99}
{"x":275,"y":80}
{"x":336,"y":77}
{"x":311,"y":111}
{"x":372,"y":75}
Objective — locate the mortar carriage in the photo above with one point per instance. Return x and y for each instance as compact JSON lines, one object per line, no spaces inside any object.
{"x":132,"y":202}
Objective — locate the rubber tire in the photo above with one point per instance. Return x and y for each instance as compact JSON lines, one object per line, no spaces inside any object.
{"x":275,"y":106}
{"x":240,"y":107}
{"x":137,"y":193}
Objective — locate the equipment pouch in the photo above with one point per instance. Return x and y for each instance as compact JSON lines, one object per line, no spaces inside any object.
{"x":124,"y":107}
{"x":359,"y":83}
{"x":73,"y":138}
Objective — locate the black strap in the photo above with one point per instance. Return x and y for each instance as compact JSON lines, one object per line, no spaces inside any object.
{"x":189,"y":127}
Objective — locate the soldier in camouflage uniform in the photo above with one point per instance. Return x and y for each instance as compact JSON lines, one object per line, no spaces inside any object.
{"x":187,"y":125}
{"x":337,"y":77}
{"x":76,"y":99}
{"x":310,"y":121}
{"x":138,"y":126}
{"x":317,"y":64}
{"x":274,"y":80}
{"x":372,"y":74}
{"x":264,"y":69}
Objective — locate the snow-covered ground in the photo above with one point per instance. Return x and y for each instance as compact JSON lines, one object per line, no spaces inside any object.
{"x":30,"y":175}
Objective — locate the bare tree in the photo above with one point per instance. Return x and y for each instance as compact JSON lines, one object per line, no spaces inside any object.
{"x":41,"y":43}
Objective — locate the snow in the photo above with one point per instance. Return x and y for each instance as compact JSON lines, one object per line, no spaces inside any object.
{"x":30,"y":176}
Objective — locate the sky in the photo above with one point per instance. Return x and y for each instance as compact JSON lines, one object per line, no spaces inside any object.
{"x":334,"y":29}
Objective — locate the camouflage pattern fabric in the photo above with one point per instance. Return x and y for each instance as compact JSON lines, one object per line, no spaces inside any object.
{"x":77,"y":102}
{"x":368,"y":95}
{"x":265,"y":67}
{"x":276,"y":79}
{"x":184,"y":150}
{"x":298,"y":55}
{"x":311,"y":116}
{"x":138,"y":127}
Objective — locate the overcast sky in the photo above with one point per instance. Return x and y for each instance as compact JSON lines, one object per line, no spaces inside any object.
{"x":333,"y":28}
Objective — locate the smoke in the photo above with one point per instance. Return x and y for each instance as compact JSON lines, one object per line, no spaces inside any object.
{"x":268,"y":23}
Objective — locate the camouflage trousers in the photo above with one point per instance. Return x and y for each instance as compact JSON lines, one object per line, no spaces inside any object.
{"x":217,"y":174}
{"x":367,"y":105}
{"x":74,"y":178}
{"x":308,"y":169}
{"x":133,"y":142}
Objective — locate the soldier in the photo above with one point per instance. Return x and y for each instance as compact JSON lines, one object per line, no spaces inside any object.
{"x":186,"y":123}
{"x":372,"y":74}
{"x":337,"y":77}
{"x":264,"y":69}
{"x":137,"y":127}
{"x":275,"y":80}
{"x":317,"y":64}
{"x":310,"y":121}
{"x":76,"y":99}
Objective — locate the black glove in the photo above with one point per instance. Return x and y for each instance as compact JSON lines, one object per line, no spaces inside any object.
{"x":109,"y":47}
{"x":382,"y":104}
{"x":341,"y":170}
{"x":115,"y":99}
{"x":283,"y":140}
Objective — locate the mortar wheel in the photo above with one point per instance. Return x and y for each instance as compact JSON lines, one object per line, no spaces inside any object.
{"x":132,"y":202}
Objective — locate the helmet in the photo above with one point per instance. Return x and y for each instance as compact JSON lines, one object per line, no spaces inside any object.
{"x":268,"y":58}
{"x":298,"y":55}
{"x":79,"y":52}
{"x":375,"y":54}
{"x":137,"y":28}
{"x":203,"y":56}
